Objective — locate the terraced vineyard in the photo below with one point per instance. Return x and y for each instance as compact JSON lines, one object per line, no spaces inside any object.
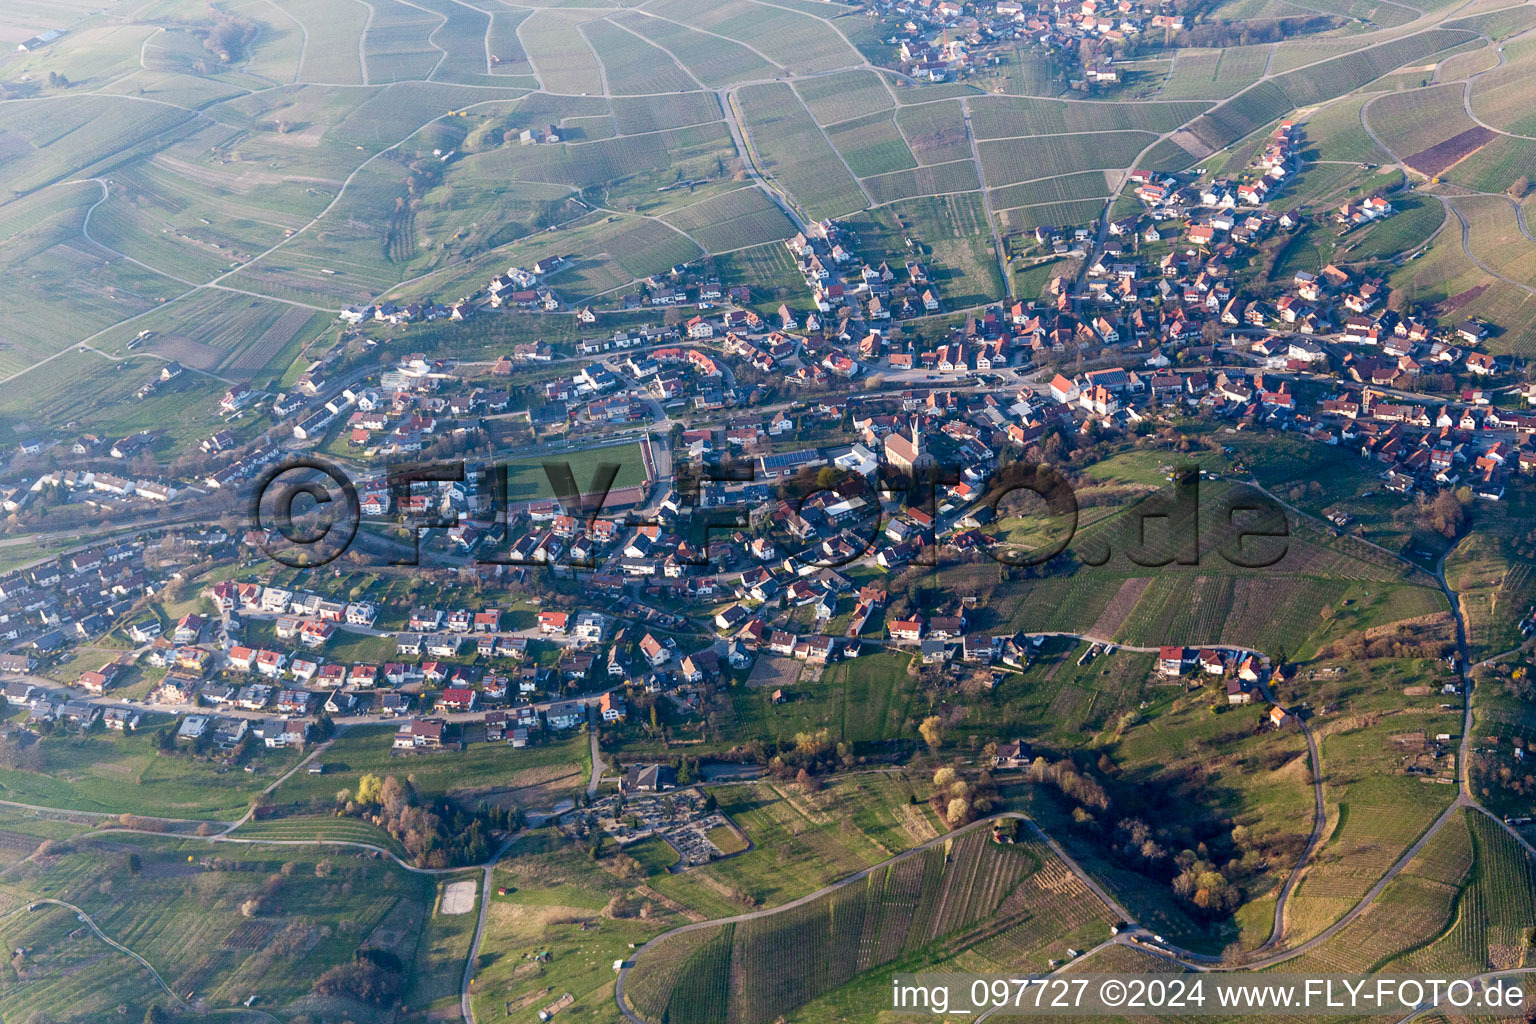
{"x":1012,"y":901}
{"x":1496,"y":96}
{"x":681,"y":974}
{"x":1215,"y":74}
{"x":1376,"y":813}
{"x":1049,"y":155}
{"x":794,"y":151}
{"x":407,"y":150}
{"x":1416,"y":121}
{"x":1413,"y":910}
{"x":356,"y":97}
{"x":1494,"y":910}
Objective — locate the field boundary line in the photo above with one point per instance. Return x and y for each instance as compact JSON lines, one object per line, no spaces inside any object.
{"x":650,"y":42}
{"x":602,"y":69}
{"x":825,"y":21}
{"x":104,"y":937}
{"x":442,"y":19}
{"x":869,"y":199}
{"x":706,"y":32}
{"x":362,"y":42}
{"x":994,"y":239}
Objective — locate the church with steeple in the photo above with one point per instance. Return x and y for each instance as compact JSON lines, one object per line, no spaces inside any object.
{"x":907,"y":453}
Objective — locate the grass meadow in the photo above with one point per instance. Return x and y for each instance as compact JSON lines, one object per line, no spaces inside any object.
{"x":495,"y":772}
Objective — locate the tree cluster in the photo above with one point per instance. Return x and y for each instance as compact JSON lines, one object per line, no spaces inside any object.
{"x":437,"y":833}
{"x":1445,"y":513}
{"x":374,"y":976}
{"x":1251,"y":33}
{"x":18,"y":750}
{"x":1203,"y":861}
{"x":1403,"y":641}
{"x":812,"y":753}
{"x":1493,"y":775}
{"x":1082,"y":789}
{"x":959,"y":801}
{"x":227,"y":35}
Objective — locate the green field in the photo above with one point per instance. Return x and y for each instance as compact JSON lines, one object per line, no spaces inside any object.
{"x":1346,"y":73}
{"x":1446,"y":275}
{"x":559,"y":52}
{"x":47,"y":254}
{"x":1241,"y":115}
{"x":1066,"y":188}
{"x":935,"y":131}
{"x":1374,"y":814}
{"x":1416,"y":220}
{"x":345,"y":153}
{"x":735,"y":220}
{"x":492,"y":772}
{"x":632,"y":64}
{"x":1415,"y":907}
{"x":998,"y":117}
{"x":64,"y":134}
{"x":1493,"y":582}
{"x":862,"y":701}
{"x":583,"y":915}
{"x":396,"y":46}
{"x":1279,"y":608}
{"x":713,"y":60}
{"x":440,"y":952}
{"x":1071,"y":212}
{"x":768,"y":269}
{"x":1457,"y":906}
{"x":331,"y":50}
{"x":934,"y":180}
{"x":1495,"y":97}
{"x":1048,"y":155}
{"x":1495,"y":166}
{"x":318,"y":829}
{"x":798,"y":42}
{"x":801,"y":840}
{"x":1409,"y":122}
{"x":1336,"y":133}
{"x":528,"y":479}
{"x":843,"y":97}
{"x":872,"y":144}
{"x":116,"y":773}
{"x":1493,"y":907}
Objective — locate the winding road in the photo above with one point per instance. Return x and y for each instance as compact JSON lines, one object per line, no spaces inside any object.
{"x":159,"y":980}
{"x":1319,"y":821}
{"x":1464,"y":798}
{"x":1138,"y":937}
{"x":618,"y":987}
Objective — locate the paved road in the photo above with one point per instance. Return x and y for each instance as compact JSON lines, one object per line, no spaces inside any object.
{"x":993,"y":238}
{"x":1466,"y":227}
{"x":466,"y":1008}
{"x":618,"y":988}
{"x":1319,"y":819}
{"x":1136,"y":936}
{"x":597,"y":765}
{"x":251,"y":811}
